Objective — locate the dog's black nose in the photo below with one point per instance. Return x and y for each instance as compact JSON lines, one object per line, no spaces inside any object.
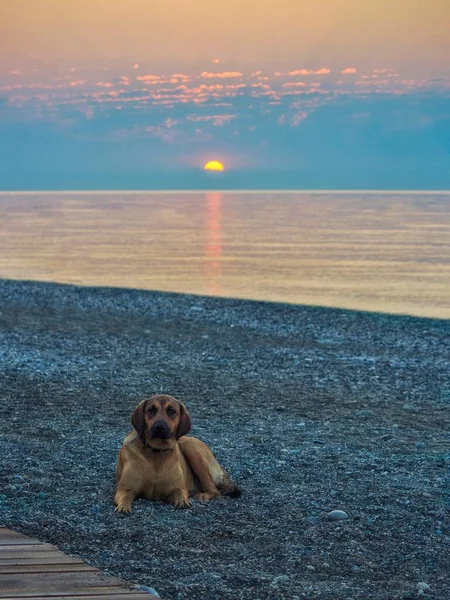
{"x":160,"y":429}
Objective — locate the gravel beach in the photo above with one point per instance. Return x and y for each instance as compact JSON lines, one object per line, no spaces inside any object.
{"x":311,"y":410}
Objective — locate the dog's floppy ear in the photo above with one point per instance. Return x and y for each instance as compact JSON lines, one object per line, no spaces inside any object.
{"x":184,"y":425}
{"x":138,"y":418}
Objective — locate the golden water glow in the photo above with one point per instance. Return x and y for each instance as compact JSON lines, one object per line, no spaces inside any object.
{"x":378,"y":252}
{"x":214,"y":165}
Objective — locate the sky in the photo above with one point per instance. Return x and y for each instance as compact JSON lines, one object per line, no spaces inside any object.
{"x":139,"y":94}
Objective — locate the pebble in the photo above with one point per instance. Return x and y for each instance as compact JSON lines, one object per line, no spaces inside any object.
{"x":280,"y":580}
{"x":337,"y":515}
{"x":366,"y":413}
{"x":422,"y":587}
{"x":420,"y":445}
{"x":149,"y":590}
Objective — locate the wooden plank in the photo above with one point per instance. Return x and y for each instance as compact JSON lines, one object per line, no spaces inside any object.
{"x":35,"y":548}
{"x":45,"y":568}
{"x":32,"y":570}
{"x":58,"y":583}
{"x":8,"y":558}
{"x":8,"y":537}
{"x":125,"y":595}
{"x":31,"y":559}
{"x":78,"y":594}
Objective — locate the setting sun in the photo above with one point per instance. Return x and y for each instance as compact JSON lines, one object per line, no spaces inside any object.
{"x":214,"y":165}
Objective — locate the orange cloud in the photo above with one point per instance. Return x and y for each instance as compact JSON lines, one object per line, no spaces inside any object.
{"x":322,"y":71}
{"x":224,"y":75}
{"x":348,"y":71}
{"x":294,"y":84}
{"x":181,"y":76}
{"x":148,"y":78}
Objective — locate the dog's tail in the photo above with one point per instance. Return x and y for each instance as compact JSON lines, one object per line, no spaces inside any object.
{"x":230,"y":488}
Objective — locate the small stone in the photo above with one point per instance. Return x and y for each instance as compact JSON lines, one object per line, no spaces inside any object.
{"x":310,"y":568}
{"x":422,"y":587}
{"x":42,"y":495}
{"x":337,"y":515}
{"x":366,"y":413}
{"x":255,"y":439}
{"x":420,"y":445}
{"x":280,"y":580}
{"x":280,"y":408}
{"x":149,"y":590}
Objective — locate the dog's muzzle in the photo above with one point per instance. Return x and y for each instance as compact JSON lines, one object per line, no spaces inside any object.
{"x":160,"y":430}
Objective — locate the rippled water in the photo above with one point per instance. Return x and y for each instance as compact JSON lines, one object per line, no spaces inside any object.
{"x":381,"y":252}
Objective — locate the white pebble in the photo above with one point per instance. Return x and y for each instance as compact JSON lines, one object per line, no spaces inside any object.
{"x":337,"y":515}
{"x":422,"y":587}
{"x":281,"y":579}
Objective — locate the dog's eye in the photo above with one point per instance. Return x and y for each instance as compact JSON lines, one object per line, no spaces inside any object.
{"x":171,"y":411}
{"x":152,"y":410}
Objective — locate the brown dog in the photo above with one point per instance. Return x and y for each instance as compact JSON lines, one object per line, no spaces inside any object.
{"x":157,"y":462}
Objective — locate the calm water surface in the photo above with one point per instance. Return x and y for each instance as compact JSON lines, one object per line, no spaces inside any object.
{"x":381,"y":252}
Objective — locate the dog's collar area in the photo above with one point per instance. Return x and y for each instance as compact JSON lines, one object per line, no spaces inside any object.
{"x":156,"y":450}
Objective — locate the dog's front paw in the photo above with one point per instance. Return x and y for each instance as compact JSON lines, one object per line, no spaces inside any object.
{"x":203,"y":497}
{"x":179,"y":499}
{"x":122,"y":508}
{"x":182,"y":503}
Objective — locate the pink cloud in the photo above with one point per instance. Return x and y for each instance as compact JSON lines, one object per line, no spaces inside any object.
{"x":224,"y":75}
{"x":322,"y":71}
{"x":294,"y":84}
{"x":181,"y":76}
{"x":216,"y":120}
{"x":136,"y":66}
{"x":14,"y":72}
{"x":148,"y":78}
{"x":348,"y":71}
{"x":72,"y":84}
{"x":298,"y":118}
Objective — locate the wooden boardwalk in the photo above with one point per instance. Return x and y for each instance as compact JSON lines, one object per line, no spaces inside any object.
{"x":34,"y":570}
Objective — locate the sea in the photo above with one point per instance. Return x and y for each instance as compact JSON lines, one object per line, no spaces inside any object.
{"x":371,"y":251}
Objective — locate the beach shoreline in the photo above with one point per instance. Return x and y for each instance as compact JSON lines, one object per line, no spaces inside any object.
{"x":310,"y":409}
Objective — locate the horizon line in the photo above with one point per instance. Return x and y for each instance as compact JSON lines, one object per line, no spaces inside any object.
{"x":228,"y":191}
